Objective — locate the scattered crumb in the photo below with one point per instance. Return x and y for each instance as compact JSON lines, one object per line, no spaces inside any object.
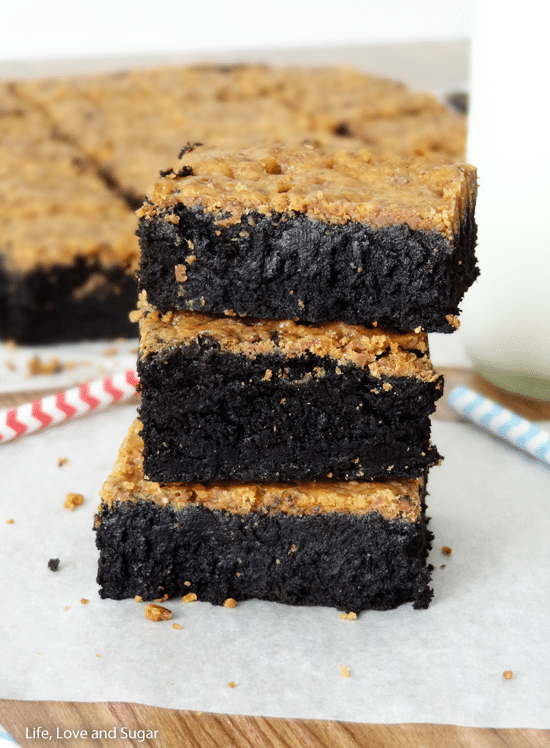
{"x":231,"y":684}
{"x":36,"y":366}
{"x":417,"y":330}
{"x":344,"y":671}
{"x":84,"y":601}
{"x":508,"y":674}
{"x":187,"y":584}
{"x":11,"y":365}
{"x":349,"y":617}
{"x":157,"y":612}
{"x":189,"y":598}
{"x":62,"y":461}
{"x":176,"y":626}
{"x":387,"y":387}
{"x":138,"y":599}
{"x":162,"y":599}
{"x":11,"y":344}
{"x":113,"y":351}
{"x":73,"y":500}
{"x":96,"y":654}
{"x":66,"y":608}
{"x":443,"y":566}
{"x":446,"y":550}
{"x":53,"y":564}
{"x":180,"y":272}
{"x":10,"y":521}
{"x":229,"y":603}
{"x":267,"y":376}
{"x":229,"y":313}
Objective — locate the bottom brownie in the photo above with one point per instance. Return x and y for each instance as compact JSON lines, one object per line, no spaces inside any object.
{"x":353,"y":546}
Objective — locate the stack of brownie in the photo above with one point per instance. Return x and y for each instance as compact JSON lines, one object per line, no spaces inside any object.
{"x":78,"y":154}
{"x":283,"y":443}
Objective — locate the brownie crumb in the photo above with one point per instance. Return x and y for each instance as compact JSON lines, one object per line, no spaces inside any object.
{"x":138,"y":599}
{"x":53,"y":564}
{"x":176,"y":626}
{"x":230,"y":602}
{"x":187,"y":584}
{"x":84,"y":601}
{"x":62,"y":461}
{"x":36,"y":366}
{"x":344,"y":671}
{"x":73,"y":500}
{"x":66,"y":608}
{"x":508,"y":674}
{"x":11,"y":365}
{"x":349,"y":617}
{"x":189,"y":598}
{"x":180,"y":272}
{"x":157,"y":613}
{"x":231,"y":684}
{"x":446,"y":550}
{"x":10,"y":521}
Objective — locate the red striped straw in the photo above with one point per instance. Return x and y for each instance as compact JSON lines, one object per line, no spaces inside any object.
{"x":54,"y":409}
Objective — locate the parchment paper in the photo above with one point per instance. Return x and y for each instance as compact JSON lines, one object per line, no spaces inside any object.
{"x":489,"y":503}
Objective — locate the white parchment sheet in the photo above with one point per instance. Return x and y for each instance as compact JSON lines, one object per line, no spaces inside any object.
{"x":488,"y":503}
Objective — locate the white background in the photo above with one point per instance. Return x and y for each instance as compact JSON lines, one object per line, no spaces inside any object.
{"x":40,"y":29}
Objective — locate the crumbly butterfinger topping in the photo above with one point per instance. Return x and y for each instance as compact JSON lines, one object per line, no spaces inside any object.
{"x":395,"y":499}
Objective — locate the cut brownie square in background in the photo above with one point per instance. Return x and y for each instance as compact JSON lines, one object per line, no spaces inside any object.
{"x":353,"y":546}
{"x":68,"y":253}
{"x":264,"y":400}
{"x":311,"y":232}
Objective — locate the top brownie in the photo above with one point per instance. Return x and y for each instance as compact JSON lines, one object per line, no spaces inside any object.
{"x":311,"y":232}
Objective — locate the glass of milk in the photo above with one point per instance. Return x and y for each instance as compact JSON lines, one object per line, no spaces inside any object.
{"x":506,"y":315}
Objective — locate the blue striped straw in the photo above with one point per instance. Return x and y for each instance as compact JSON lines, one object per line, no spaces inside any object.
{"x":6,"y":739}
{"x":501,"y":422}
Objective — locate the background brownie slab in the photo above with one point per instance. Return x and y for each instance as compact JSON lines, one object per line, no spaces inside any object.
{"x":253,"y":401}
{"x":67,"y":302}
{"x":68,"y":253}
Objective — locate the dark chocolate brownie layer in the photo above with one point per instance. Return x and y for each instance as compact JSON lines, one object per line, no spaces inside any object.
{"x":351,"y":562}
{"x":72,"y":302}
{"x":292,"y":267}
{"x":210,"y":415}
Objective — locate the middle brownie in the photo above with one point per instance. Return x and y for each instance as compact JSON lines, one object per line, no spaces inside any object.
{"x":264,"y":400}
